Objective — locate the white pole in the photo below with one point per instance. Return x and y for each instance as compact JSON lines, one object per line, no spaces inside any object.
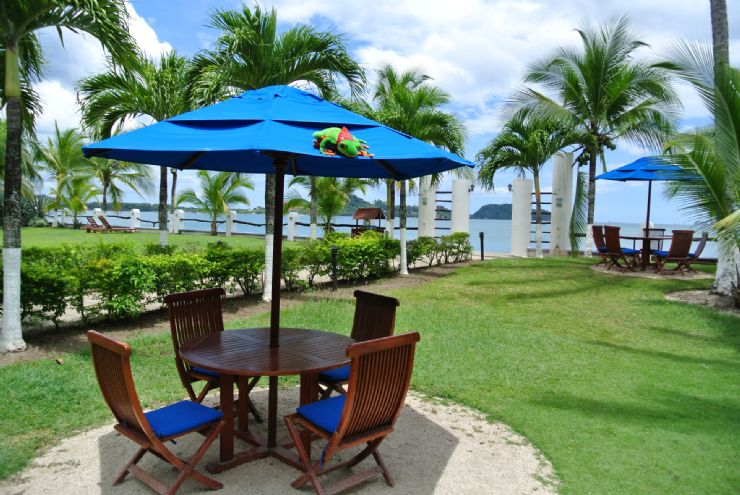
{"x":135,"y":215}
{"x":460,"y":215}
{"x":230,"y":226}
{"x":11,"y":338}
{"x":521,"y":216}
{"x":292,"y":219}
{"x":427,"y":213}
{"x":562,"y":203}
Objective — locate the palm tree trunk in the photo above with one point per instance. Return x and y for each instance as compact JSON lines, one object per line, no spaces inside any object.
{"x":11,"y":337}
{"x":720,"y":32}
{"x":390,"y":207}
{"x":163,"y":206}
{"x":402,"y":215}
{"x":538,"y":215}
{"x":214,"y":226}
{"x":173,"y":195}
{"x":314,"y":209}
{"x":269,"y":231}
{"x":105,"y":197}
{"x":591,"y":199}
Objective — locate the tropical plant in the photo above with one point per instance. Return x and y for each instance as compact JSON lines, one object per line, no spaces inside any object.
{"x":712,"y":154}
{"x":218,"y":192}
{"x":22,"y":65}
{"x":157,"y":89}
{"x":112,"y":174}
{"x":525,"y":143}
{"x":331,"y":196}
{"x":78,"y":193}
{"x":250,"y":53}
{"x":605,"y":93}
{"x":29,"y":173}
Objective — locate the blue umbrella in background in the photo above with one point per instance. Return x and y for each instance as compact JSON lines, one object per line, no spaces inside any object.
{"x":269,"y":130}
{"x":648,"y":169}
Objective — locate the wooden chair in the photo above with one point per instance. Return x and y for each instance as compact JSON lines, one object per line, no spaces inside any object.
{"x":192,"y":315}
{"x":375,"y":317}
{"x":151,"y":430}
{"x":616,"y":252}
{"x":111,"y":228}
{"x":598,"y":233}
{"x":379,"y":379}
{"x":678,"y":252}
{"x":93,"y":226}
{"x":686,"y":264}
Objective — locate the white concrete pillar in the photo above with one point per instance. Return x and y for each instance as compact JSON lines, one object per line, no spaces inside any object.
{"x":230,"y":225}
{"x":562,"y":203}
{"x":427,"y":206}
{"x":521,"y":216}
{"x":97,"y":213}
{"x":460,"y":206}
{"x":292,"y":219}
{"x":171,"y":223}
{"x":176,"y":222}
{"x":135,"y":217}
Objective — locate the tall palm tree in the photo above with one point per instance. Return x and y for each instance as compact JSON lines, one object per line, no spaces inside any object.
{"x":29,"y":172}
{"x":79,"y":191}
{"x":218,"y":193}
{"x":61,"y":157}
{"x":330,"y":197}
{"x":112,"y":174}
{"x":525,"y":143}
{"x":250,"y":53}
{"x":720,"y":31}
{"x":713,"y":154}
{"x":157,"y":89}
{"x":605,"y":93}
{"x":22,"y":65}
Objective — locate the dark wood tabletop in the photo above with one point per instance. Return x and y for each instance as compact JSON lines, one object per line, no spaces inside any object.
{"x":246,"y":352}
{"x":640,"y":237}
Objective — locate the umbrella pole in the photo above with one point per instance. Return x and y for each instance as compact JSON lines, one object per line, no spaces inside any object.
{"x":650,"y":193}
{"x":277,"y":250}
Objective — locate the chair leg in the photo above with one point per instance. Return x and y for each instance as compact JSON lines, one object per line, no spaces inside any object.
{"x":187,"y":469}
{"x":309,"y":468}
{"x":134,"y":460}
{"x":386,"y":474}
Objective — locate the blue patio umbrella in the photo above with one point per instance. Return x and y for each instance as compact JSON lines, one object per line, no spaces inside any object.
{"x":649,"y":169}
{"x":269,"y":130}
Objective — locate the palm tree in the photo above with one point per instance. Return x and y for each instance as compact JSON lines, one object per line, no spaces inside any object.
{"x":22,"y":65}
{"x":29,"y":173}
{"x":720,"y":32}
{"x":251,"y":54}
{"x":157,"y":89}
{"x":218,"y":192}
{"x":330,"y":197}
{"x":525,"y":143}
{"x":604,"y":93}
{"x":712,"y":154}
{"x":78,"y":193}
{"x":63,"y":160}
{"x":112,"y":174}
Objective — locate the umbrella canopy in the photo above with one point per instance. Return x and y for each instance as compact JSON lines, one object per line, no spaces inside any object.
{"x":649,"y":169}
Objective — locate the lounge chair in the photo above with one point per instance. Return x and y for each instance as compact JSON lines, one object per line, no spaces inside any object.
{"x":375,"y":317}
{"x":111,"y":228}
{"x":598,"y":233}
{"x":93,"y":226}
{"x":695,"y":255}
{"x":679,"y":252}
{"x":365,"y":416}
{"x":151,"y":430}
{"x":616,"y":252}
{"x":192,"y":315}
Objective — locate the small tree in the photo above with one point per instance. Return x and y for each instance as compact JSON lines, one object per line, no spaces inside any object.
{"x":218,"y":192}
{"x":332,"y":194}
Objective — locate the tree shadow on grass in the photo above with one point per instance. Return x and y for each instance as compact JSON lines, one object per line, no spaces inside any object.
{"x":677,"y":358}
{"x":730,"y":333}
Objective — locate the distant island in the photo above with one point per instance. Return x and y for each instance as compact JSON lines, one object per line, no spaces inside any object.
{"x":501,"y":212}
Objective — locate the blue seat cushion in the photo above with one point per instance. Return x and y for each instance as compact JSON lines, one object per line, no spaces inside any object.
{"x":340,"y":374}
{"x":325,"y":413}
{"x":660,"y":253}
{"x":602,"y":249}
{"x":204,"y":371}
{"x":630,"y":251}
{"x":180,"y":417}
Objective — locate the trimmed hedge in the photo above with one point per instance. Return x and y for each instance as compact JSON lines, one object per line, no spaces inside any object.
{"x":115,"y":281}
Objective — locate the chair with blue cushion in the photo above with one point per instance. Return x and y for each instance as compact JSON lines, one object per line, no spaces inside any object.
{"x":600,"y":244}
{"x":375,"y":317}
{"x":195,"y":314}
{"x":617,"y":253}
{"x":378,"y":381}
{"x":678,"y":252}
{"x":151,"y":430}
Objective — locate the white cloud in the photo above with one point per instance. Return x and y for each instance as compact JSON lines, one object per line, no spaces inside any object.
{"x":145,"y":36}
{"x":60,"y":106}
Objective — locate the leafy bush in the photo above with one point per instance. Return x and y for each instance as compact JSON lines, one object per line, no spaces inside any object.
{"x":153,"y":248}
{"x":290,"y":267}
{"x":456,"y":247}
{"x":316,"y":259}
{"x":44,"y":292}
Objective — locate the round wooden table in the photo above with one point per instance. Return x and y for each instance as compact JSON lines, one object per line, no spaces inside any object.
{"x":246,"y":353}
{"x":645,"y":250}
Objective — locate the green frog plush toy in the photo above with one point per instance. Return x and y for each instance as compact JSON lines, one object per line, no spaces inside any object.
{"x":334,"y":138}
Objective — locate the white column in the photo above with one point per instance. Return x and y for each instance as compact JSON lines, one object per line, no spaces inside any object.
{"x":230,"y":226}
{"x":178,"y":223}
{"x":562,"y":203}
{"x":427,"y":213}
{"x":521,"y":216}
{"x":135,"y":216}
{"x":97,"y":213}
{"x":460,"y":206}
{"x":11,"y":337}
{"x":292,"y":219}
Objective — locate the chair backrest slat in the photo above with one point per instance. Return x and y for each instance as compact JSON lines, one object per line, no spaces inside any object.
{"x":680,"y":244}
{"x":598,"y":232}
{"x":379,"y":380}
{"x":375,"y":316}
{"x":611,"y":233}
{"x":194,"y":314}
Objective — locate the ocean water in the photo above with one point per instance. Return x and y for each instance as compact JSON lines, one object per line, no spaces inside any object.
{"x":496,"y":233}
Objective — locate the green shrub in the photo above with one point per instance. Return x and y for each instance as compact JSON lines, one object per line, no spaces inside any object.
{"x":316,"y":259}
{"x":123,"y":285}
{"x":153,"y":248}
{"x":43,"y":292}
{"x":247,"y":268}
{"x":456,"y":247}
{"x":291,"y":265}
{"x":176,"y":273}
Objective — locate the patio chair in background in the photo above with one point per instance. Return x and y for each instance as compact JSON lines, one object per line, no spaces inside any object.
{"x":379,"y":379}
{"x":151,"y":430}
{"x":678,"y":252}
{"x":111,"y":228}
{"x":93,"y":226}
{"x":375,"y":317}
{"x":598,"y":233}
{"x":194,"y":314}
{"x":616,"y":252}
{"x":695,"y":255}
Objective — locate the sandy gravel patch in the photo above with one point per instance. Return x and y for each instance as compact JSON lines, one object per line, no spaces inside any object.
{"x":725,"y":304}
{"x":652,"y":274}
{"x":436,"y":449}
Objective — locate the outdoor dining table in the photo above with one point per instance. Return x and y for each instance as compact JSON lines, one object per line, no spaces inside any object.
{"x":645,"y":251}
{"x":240,"y":354}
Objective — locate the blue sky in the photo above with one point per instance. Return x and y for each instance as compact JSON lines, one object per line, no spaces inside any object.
{"x":474,"y":49}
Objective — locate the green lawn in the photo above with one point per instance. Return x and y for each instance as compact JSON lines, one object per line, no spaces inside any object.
{"x":44,"y":237}
{"x":623,"y":391}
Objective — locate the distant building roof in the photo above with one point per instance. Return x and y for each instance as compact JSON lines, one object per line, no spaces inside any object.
{"x":368,"y":214}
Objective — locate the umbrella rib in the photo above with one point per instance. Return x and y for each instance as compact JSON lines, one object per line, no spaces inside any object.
{"x":389,"y":168}
{"x":189,"y":163}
